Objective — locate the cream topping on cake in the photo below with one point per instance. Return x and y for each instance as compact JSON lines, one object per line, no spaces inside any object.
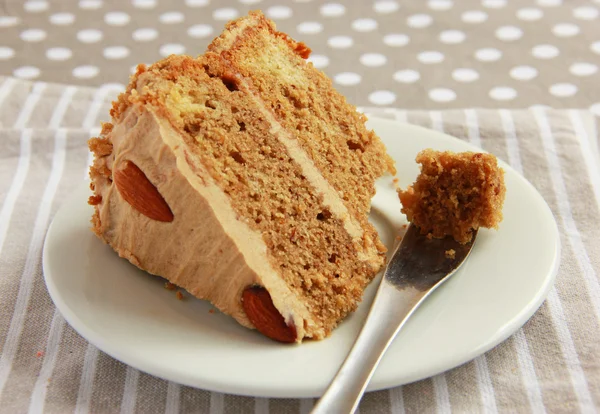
{"x":206,"y":222}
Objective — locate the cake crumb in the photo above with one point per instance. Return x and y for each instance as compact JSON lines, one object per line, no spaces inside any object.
{"x":450,"y":254}
{"x":179,"y":295}
{"x":211,"y":311}
{"x":404,"y":226}
{"x":170,"y":286}
{"x":39,"y":354}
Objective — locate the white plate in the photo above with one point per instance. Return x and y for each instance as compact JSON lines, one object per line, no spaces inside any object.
{"x":129,"y":315}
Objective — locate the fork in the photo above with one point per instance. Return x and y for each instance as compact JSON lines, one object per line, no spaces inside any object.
{"x":418,"y":267}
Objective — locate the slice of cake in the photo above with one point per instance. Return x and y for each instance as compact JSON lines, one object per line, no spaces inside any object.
{"x":455,"y":194}
{"x":245,"y":178}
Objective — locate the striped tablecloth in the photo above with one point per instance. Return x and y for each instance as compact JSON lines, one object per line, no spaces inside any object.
{"x":552,"y":364}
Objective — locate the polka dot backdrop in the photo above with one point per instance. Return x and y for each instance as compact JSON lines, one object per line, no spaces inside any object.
{"x":413,"y":54}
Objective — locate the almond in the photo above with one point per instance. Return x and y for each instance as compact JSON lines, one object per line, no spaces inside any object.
{"x":141,"y":194}
{"x":259,"y":308}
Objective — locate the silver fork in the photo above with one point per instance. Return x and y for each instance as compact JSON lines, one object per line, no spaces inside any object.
{"x":418,"y":267}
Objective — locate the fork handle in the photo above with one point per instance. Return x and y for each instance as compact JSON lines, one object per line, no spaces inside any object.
{"x":390,"y":310}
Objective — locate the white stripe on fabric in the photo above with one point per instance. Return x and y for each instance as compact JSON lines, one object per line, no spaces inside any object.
{"x":32,"y":260}
{"x":397,"y":400}
{"x":132,"y":376}
{"x":472,"y":121}
{"x":488,"y":396}
{"x":306,"y":405}
{"x":564,"y":207}
{"x":532,"y":385}
{"x":29,"y":105}
{"x":512,"y":143}
{"x":90,"y":159}
{"x":173,"y":398}
{"x":61,"y":107}
{"x":217,"y":403}
{"x":6,"y":89}
{"x":571,"y":232}
{"x":16,"y":185}
{"x":588,"y":151}
{"x":437,"y":121}
{"x":261,"y":405}
{"x":442,"y":396}
{"x":38,"y":396}
{"x":86,"y":384}
{"x":96,"y":105}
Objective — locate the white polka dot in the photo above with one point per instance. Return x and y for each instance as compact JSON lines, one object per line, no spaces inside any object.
{"x":583,"y":69}
{"x":407,"y":76}
{"x":565,"y":30}
{"x":171,"y":17}
{"x":332,"y":9}
{"x":7,"y":21}
{"x":530,"y":14}
{"x":474,"y":16}
{"x":250,"y":1}
{"x":545,"y":51}
{"x":523,"y":73}
{"x":585,"y":13}
{"x":62,"y":19}
{"x":34,"y":6}
{"x":419,"y":21}
{"x":115,"y":52}
{"x":145,"y":34}
{"x":340,"y":42}
{"x":116,"y":18}
{"x":396,"y":40}
{"x":319,"y":61}
{"x":503,"y":93}
{"x":595,"y":109}
{"x":465,"y":75}
{"x":488,"y":54}
{"x":440,"y":4}
{"x":144,"y":4}
{"x":279,"y":12}
{"x":200,"y":30}
{"x":442,"y":95}
{"x":89,"y":35}
{"x":364,"y":25}
{"x":347,"y":78}
{"x":509,"y":33}
{"x":494,"y":4}
{"x":26,"y":72}
{"x":382,"y":97}
{"x":386,"y":6}
{"x":452,"y":37}
{"x":563,"y":90}
{"x":59,"y":53}
{"x":33,"y":35}
{"x":6,"y":53}
{"x":595,"y":47}
{"x":310,"y":27}
{"x":373,"y":59}
{"x":227,"y":13}
{"x":430,"y":57}
{"x":549,"y":3}
{"x":90,"y":4}
{"x":172,"y":49}
{"x":85,"y":72}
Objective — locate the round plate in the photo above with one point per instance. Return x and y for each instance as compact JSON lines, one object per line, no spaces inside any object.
{"x":129,"y":315}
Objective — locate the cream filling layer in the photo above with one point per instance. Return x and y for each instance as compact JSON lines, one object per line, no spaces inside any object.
{"x":364,"y":246}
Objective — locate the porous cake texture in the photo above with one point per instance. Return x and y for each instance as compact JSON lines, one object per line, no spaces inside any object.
{"x":454,"y":194}
{"x":245,"y":178}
